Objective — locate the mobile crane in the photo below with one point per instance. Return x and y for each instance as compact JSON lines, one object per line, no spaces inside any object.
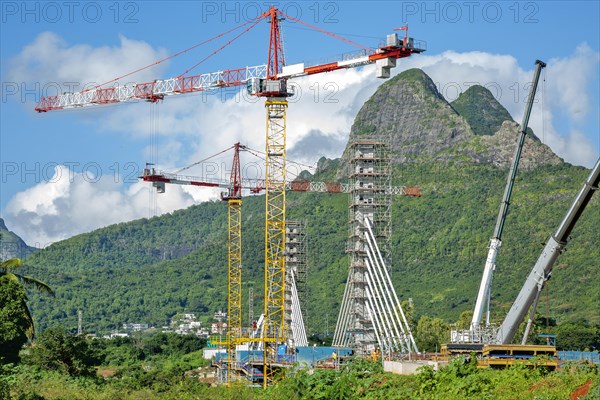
{"x":496,"y":349}
{"x":484,"y":294}
{"x":543,"y":267}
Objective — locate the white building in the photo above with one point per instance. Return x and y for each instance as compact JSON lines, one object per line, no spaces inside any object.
{"x":219,"y":328}
{"x":220,"y":315}
{"x":135,"y":327}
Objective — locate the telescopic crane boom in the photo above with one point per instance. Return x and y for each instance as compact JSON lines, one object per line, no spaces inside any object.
{"x":483,"y":296}
{"x":543,"y":267}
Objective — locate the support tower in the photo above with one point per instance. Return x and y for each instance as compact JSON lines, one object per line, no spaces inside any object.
{"x":369,"y":177}
{"x":296,"y":286}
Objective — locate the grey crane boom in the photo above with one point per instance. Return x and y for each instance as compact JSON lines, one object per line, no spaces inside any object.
{"x":490,"y":265}
{"x":543,"y":267}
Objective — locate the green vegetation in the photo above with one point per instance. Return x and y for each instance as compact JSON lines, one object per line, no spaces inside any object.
{"x":168,"y":374}
{"x":431,"y":333}
{"x":481,"y":110}
{"x":16,"y":322}
{"x":462,"y":380}
{"x":126,"y":351}
{"x":57,"y":350}
{"x":410,"y":75}
{"x":440,"y":240}
{"x":146,"y":271}
{"x":61,"y":365}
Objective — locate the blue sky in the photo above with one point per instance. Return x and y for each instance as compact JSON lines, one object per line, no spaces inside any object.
{"x":69,"y":172}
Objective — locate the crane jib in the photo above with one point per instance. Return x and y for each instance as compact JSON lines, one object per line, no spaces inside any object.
{"x":157,"y":90}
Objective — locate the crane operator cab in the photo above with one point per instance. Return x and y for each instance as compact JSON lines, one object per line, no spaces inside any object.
{"x":268,"y":87}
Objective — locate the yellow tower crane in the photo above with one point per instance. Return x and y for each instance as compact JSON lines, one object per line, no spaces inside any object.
{"x":234,"y":260}
{"x":269,"y":81}
{"x":233,"y":197}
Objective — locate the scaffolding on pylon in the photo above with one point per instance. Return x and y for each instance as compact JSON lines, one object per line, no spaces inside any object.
{"x":296,"y":259}
{"x":296,"y":289}
{"x":369,"y":177}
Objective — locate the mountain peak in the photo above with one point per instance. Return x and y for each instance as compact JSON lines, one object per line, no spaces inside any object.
{"x":409,"y":110}
{"x":11,"y":245}
{"x":421,"y":125}
{"x":482,"y":111}
{"x":413,"y":75}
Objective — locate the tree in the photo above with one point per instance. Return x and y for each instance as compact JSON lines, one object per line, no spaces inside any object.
{"x":13,"y":320}
{"x":431,"y":333}
{"x":59,"y":350}
{"x":16,"y":323}
{"x":464,"y":320}
{"x":577,"y":336}
{"x":409,"y":312}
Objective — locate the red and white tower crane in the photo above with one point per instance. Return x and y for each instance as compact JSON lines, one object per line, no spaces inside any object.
{"x":269,"y":81}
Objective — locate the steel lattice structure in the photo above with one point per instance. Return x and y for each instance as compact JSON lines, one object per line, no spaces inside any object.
{"x":296,"y":258}
{"x":274,"y":308}
{"x":367,"y":318}
{"x":269,"y":81}
{"x":234,"y":304}
{"x":152,"y":91}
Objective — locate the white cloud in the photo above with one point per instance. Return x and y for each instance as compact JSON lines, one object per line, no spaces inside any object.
{"x":51,"y":61}
{"x":193,"y":127}
{"x":569,"y":82}
{"x":72,"y":203}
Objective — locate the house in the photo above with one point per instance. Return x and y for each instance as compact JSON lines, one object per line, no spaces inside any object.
{"x":135,"y":327}
{"x":218,"y":328}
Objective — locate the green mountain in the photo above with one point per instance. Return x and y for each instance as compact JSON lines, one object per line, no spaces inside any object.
{"x":11,"y":245}
{"x":147,"y":270}
{"x":422,"y":126}
{"x":482,"y":111}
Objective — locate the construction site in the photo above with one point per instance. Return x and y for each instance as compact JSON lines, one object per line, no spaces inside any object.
{"x":371,"y":322}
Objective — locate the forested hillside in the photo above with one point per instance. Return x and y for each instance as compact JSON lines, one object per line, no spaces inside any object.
{"x":147,"y":270}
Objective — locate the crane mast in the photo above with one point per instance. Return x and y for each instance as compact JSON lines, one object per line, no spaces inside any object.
{"x":274,"y":323}
{"x":544,"y":264}
{"x":233,"y":197}
{"x":269,"y":81}
{"x":484,"y":294}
